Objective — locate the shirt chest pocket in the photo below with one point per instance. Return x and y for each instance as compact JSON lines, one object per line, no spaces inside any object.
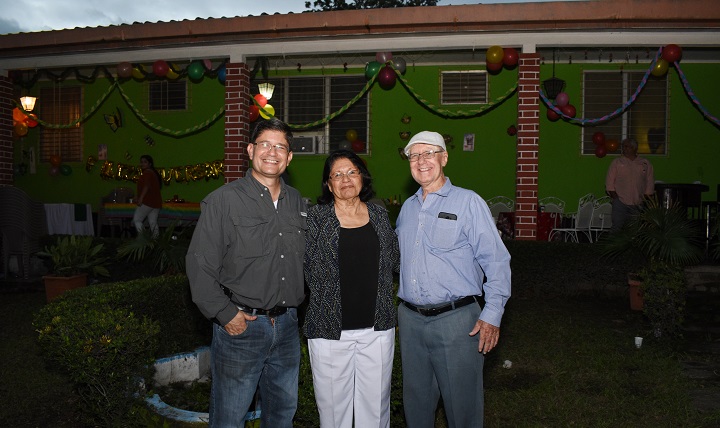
{"x":444,"y":233}
{"x":252,"y":235}
{"x":295,"y":233}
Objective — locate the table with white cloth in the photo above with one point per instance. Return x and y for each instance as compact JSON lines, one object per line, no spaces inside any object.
{"x":69,"y":219}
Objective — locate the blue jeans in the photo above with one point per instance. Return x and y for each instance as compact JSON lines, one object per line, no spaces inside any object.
{"x":621,"y":213}
{"x":439,"y":357}
{"x":266,"y":354}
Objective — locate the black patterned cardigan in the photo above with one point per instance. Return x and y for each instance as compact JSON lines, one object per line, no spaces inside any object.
{"x":324,"y":313}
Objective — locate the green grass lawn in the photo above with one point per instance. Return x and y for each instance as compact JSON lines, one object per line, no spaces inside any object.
{"x":568,"y":335}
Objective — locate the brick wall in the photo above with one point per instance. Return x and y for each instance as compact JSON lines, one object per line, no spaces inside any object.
{"x":526,"y":190}
{"x":6,"y":131}
{"x":237,"y":127}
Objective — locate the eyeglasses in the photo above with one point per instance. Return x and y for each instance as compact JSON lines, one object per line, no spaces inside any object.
{"x":340,"y":175}
{"x":414,"y":157}
{"x":266,"y":147}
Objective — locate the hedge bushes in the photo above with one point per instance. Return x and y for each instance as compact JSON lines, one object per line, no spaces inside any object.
{"x":107,"y":336}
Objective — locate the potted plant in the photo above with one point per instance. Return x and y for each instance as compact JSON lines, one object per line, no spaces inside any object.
{"x":666,"y":241}
{"x":72,"y":258}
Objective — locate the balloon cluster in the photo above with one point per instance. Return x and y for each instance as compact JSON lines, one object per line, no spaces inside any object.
{"x":384,"y":67}
{"x":23,"y":121}
{"x":351,"y":142}
{"x":604,"y":146}
{"x":57,"y":167}
{"x":498,"y":57}
{"x":670,"y":53}
{"x":261,"y":107}
{"x":162,"y":69}
{"x":562,"y":101}
{"x":181,"y":174}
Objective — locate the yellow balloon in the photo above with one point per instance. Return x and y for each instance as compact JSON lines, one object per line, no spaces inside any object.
{"x":660,"y":68}
{"x":351,"y":135}
{"x":137,"y":73}
{"x":494,"y":54}
{"x":269,"y":111}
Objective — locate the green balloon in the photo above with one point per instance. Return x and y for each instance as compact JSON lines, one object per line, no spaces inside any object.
{"x":371,"y":69}
{"x":65,"y":170}
{"x":196,"y":70}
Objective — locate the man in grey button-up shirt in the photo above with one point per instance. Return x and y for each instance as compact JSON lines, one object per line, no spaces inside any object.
{"x":246,"y":275}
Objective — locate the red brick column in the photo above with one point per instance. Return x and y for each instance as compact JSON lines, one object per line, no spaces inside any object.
{"x":6,"y":131}
{"x":237,"y":127}
{"x":526,"y":190}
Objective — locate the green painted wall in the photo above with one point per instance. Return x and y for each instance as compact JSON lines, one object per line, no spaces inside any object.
{"x":694,"y":143}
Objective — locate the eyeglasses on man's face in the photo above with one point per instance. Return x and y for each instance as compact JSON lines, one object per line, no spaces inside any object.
{"x":414,"y":157}
{"x":266,"y":146}
{"x":350,"y":174}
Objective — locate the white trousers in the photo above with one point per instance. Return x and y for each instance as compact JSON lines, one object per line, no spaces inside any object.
{"x":353,"y":373}
{"x":139,"y":216}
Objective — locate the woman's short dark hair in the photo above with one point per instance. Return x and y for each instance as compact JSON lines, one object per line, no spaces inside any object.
{"x":366,"y":192}
{"x":273,"y":124}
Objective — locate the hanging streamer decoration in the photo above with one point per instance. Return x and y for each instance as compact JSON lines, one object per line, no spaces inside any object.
{"x":181,"y":174}
{"x":693,"y":97}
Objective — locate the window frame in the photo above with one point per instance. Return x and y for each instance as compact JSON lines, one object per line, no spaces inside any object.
{"x":463,"y":97}
{"x":61,"y":105}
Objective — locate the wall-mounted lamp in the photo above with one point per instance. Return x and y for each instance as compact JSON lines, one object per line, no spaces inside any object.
{"x":28,"y":103}
{"x":266,"y":90}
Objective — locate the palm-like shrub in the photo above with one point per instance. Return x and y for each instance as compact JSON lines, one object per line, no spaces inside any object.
{"x":667,"y":241}
{"x":166,"y":252}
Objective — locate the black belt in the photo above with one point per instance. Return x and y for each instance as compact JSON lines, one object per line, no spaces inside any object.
{"x":272,"y":312}
{"x":431,"y":312}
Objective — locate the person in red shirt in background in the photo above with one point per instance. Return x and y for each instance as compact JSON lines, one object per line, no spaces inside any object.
{"x":149,"y":200}
{"x":630,"y":179}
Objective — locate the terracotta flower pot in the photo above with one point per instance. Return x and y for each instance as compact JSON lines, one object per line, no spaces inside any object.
{"x":57,"y":285}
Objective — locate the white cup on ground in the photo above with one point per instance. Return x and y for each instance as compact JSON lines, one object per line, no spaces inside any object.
{"x":638,"y":341}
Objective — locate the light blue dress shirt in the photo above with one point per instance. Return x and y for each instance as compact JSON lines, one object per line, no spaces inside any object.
{"x":448,"y":242}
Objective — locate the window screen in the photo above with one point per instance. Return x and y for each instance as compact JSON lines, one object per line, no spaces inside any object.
{"x":463,"y":87}
{"x":61,"y":105}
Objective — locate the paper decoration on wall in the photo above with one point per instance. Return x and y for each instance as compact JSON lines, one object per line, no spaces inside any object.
{"x":181,"y":174}
{"x":149,"y":141}
{"x":114,"y":120}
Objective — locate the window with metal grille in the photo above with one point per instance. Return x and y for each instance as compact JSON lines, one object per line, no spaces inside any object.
{"x":463,"y":87}
{"x":61,"y":105}
{"x":645,"y":120}
{"x":308,"y":100}
{"x":164,"y":95}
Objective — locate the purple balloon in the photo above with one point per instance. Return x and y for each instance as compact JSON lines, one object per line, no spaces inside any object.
{"x":124,"y":70}
{"x":383,"y":57}
{"x":562,"y":99}
{"x":387,"y":77}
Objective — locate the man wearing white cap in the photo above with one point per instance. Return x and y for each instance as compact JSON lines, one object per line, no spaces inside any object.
{"x":451,"y":257}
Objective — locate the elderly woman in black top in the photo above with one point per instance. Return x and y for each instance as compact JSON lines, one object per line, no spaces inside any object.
{"x":351,"y":253}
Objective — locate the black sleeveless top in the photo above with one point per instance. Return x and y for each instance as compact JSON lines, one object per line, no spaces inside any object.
{"x":359,"y":252}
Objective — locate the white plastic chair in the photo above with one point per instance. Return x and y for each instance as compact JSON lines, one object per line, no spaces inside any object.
{"x":581,"y":222}
{"x":602,"y":216}
{"x":500,"y":204}
{"x":551,"y":204}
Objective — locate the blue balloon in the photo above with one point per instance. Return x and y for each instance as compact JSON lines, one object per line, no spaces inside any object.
{"x":222,"y":73}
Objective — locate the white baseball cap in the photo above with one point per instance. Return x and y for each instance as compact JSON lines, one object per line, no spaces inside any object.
{"x":426,"y":137}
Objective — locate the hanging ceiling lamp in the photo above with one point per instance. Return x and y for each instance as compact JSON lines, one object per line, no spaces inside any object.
{"x":266,"y":90}
{"x":28,"y":102}
{"x":553,"y":86}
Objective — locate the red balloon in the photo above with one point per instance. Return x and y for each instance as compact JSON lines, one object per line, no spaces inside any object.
{"x":612,"y":145}
{"x":55,"y":160}
{"x":494,"y":67}
{"x":31,"y":120}
{"x":160,"y":68}
{"x":598,"y":138}
{"x":21,"y":129}
{"x":254,"y":113}
{"x":261,"y":100}
{"x":568,"y":110}
{"x":387,"y":77}
{"x":671,"y":53}
{"x":600,"y":151}
{"x":18,"y":115}
{"x":358,"y":146}
{"x":552,"y":116}
{"x":510,"y":57}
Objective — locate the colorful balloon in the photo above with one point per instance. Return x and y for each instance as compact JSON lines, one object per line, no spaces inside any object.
{"x":568,"y":110}
{"x":222,"y":74}
{"x":671,"y":53}
{"x":65,"y":169}
{"x":494,"y":67}
{"x":18,"y":115}
{"x":494,"y":54}
{"x":598,"y":138}
{"x":387,"y":77}
{"x":383,"y":57}
{"x":400,"y":65}
{"x":612,"y":145}
{"x":562,"y":99}
{"x":351,"y":135}
{"x":21,"y":129}
{"x":160,"y":68}
{"x":261,"y":100}
{"x":55,"y":160}
{"x":510,"y":57}
{"x":269,"y":111}
{"x":138,"y":73}
{"x":196,"y":70}
{"x":358,"y":146}
{"x":600,"y":151}
{"x":345,"y":145}
{"x":552,"y":115}
{"x":254,"y":113}
{"x":171,"y":73}
{"x":124,"y":70}
{"x":54,"y":171}
{"x":31,"y":120}
{"x":371,"y":69}
{"x":660,"y":68}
